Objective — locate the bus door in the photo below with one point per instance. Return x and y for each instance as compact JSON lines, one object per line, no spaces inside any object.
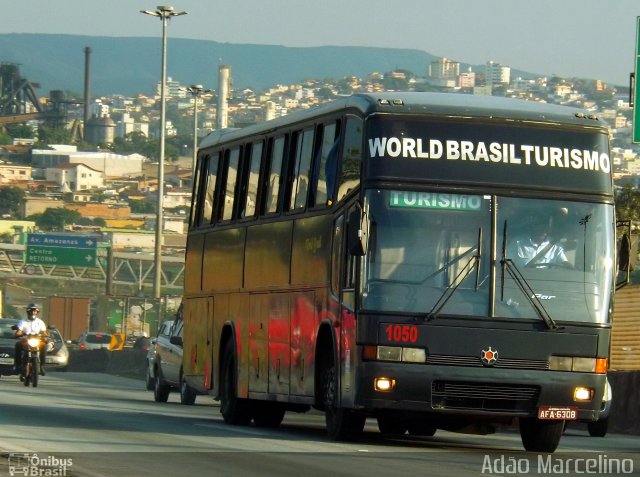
{"x":343,"y":272}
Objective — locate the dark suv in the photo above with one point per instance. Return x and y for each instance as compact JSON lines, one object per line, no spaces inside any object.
{"x":164,"y":373}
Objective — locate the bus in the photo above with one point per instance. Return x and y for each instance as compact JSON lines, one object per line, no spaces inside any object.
{"x":428,"y":260}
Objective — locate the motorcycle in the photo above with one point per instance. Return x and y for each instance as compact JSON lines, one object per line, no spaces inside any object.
{"x":31,"y":346}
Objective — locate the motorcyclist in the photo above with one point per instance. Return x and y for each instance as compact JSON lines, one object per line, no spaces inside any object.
{"x":31,"y":326}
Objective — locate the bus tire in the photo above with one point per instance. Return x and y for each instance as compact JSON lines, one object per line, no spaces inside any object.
{"x":342,"y":424}
{"x":267,"y":414}
{"x":391,"y":426}
{"x":234,"y":410}
{"x":539,"y":435}
{"x":598,"y":428}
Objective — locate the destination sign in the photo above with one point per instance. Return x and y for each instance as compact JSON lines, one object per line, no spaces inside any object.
{"x":427,"y":200}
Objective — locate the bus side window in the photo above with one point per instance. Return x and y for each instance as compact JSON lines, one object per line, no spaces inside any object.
{"x":336,"y":254}
{"x":325,"y":167}
{"x":196,"y":203}
{"x":230,"y":190}
{"x":351,"y":157}
{"x":302,"y":168}
{"x":348,"y":274}
{"x":274,"y":175}
{"x":209,"y":191}
{"x":252,"y":180}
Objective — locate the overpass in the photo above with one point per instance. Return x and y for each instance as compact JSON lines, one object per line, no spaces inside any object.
{"x":113,"y":268}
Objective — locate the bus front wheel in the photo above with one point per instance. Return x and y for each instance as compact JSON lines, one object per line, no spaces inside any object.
{"x":342,"y":424}
{"x":234,"y":410}
{"x":540,"y":436}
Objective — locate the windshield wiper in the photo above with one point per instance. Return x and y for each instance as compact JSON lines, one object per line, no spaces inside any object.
{"x":460,"y":277}
{"x":509,"y":266}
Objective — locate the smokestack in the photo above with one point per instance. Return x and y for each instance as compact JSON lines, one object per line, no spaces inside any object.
{"x":87,"y":83}
{"x":224,"y":73}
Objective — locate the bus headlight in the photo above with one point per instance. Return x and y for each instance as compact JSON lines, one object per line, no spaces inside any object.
{"x":384,"y":384}
{"x":582,"y":394}
{"x":395,"y":353}
{"x":579,"y":365}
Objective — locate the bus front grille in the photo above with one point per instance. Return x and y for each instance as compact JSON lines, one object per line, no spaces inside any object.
{"x":474,"y":361}
{"x":485,"y":397}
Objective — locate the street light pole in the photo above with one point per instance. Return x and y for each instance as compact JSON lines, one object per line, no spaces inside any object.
{"x":164,"y":13}
{"x":195,"y":90}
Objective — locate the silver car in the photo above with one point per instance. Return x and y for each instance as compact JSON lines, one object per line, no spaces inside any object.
{"x":94,"y":340}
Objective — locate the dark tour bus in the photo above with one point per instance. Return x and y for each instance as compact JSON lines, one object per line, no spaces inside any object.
{"x":433,"y":261}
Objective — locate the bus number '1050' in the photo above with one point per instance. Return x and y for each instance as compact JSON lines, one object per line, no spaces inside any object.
{"x":402,"y":333}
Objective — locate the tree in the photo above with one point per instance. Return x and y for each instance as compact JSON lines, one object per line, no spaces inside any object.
{"x":628,"y":203}
{"x":11,"y":200}
{"x":56,"y":219}
{"x":5,"y":139}
{"x":49,"y":135}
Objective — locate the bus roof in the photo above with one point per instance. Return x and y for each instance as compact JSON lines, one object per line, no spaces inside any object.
{"x":435,"y":104}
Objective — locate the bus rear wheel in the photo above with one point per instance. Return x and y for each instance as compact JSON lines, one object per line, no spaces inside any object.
{"x":234,"y":410}
{"x":540,"y":436}
{"x":342,"y":424}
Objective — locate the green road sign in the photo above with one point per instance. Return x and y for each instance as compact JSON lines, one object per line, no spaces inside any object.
{"x":73,"y":257}
{"x":636,"y":108}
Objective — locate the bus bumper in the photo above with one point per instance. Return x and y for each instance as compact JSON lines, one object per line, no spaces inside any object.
{"x":482,"y":391}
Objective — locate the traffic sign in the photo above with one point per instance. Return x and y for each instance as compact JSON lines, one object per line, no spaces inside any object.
{"x":74,"y":257}
{"x":61,"y":249}
{"x":63,"y":241}
{"x":117,"y":342}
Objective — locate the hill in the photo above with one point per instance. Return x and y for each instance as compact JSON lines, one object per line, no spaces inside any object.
{"x":132,"y":65}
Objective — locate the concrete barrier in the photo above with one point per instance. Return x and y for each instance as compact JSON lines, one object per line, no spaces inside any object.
{"x":128,"y":362}
{"x":625,"y":410}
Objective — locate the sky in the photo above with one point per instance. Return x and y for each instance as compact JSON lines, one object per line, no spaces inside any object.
{"x":569,"y":38}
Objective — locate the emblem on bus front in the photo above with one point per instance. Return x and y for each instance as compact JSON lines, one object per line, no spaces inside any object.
{"x":489,"y":356}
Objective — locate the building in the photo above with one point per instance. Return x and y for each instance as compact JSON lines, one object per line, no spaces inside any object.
{"x":128,"y":125}
{"x":174,"y":89}
{"x":444,"y":69}
{"x":14,"y":175}
{"x":75,"y":177}
{"x":112,"y":165}
{"x":497,"y":74}
{"x":467,"y":79}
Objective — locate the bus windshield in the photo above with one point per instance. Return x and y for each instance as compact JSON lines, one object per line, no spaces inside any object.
{"x":437,"y":254}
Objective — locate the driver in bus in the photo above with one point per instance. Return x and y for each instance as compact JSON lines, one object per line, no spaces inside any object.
{"x":539,"y":249}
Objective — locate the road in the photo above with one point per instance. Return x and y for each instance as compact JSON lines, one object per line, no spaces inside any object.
{"x":109,"y":425}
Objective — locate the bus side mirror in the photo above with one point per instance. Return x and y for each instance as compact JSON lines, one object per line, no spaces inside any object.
{"x":357,"y":232}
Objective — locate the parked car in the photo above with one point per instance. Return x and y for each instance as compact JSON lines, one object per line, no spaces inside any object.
{"x":7,"y":346}
{"x":164,"y":373}
{"x":94,"y":340}
{"x":58,"y":356}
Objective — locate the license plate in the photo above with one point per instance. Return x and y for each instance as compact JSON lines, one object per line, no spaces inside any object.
{"x":6,"y":360}
{"x":558,"y":413}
